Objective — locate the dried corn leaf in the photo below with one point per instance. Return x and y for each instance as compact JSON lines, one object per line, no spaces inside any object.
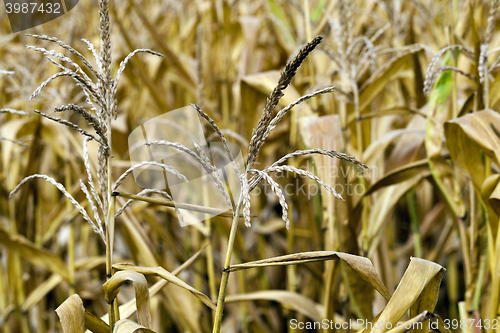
{"x":180,"y":303}
{"x":377,"y":149}
{"x":495,"y":86}
{"x":417,"y":289}
{"x":6,"y":312}
{"x":477,"y":127}
{"x":72,"y":315}
{"x":409,"y":147}
{"x":383,"y":206}
{"x":465,"y":135}
{"x":172,"y":57}
{"x":33,"y":253}
{"x":428,"y":299}
{"x":414,"y":322}
{"x":265,"y":83}
{"x":41,"y":291}
{"x":129,"y":326}
{"x":383,"y":76}
{"x":419,"y":168}
{"x":490,"y":193}
{"x":112,"y":288}
{"x":292,"y":300}
{"x":363,"y":266}
{"x":11,"y":130}
{"x":95,"y":324}
{"x":140,"y":239}
{"x":127,"y":309}
{"x":325,"y":132}
{"x":164,"y":274}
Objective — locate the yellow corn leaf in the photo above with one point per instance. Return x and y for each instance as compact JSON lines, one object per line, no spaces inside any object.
{"x":383,"y":76}
{"x":383,"y":205}
{"x":265,"y":83}
{"x":33,"y":253}
{"x":293,"y":300}
{"x":164,"y":274}
{"x":40,"y":291}
{"x":95,"y":324}
{"x":186,"y":77}
{"x":377,"y":149}
{"x":490,"y":193}
{"x":427,"y":299}
{"x":127,"y":309}
{"x":6,"y":314}
{"x":129,"y":326}
{"x":418,"y":289}
{"x":363,"y":266}
{"x":112,"y":288}
{"x":10,"y":130}
{"x":72,"y":315}
{"x":469,"y":134}
{"x":399,"y":175}
{"x":418,"y":321}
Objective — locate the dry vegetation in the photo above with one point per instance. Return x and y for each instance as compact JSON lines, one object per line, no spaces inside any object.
{"x":409,"y":88}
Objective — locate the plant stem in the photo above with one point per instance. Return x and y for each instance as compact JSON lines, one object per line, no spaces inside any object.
{"x":109,"y":257}
{"x":362,"y":180}
{"x":492,"y":313}
{"x":464,"y":316}
{"x":210,"y":255}
{"x":479,"y":284}
{"x":225,"y":272}
{"x":333,"y":244}
{"x":71,"y":237}
{"x":15,"y":261}
{"x":412,"y":207}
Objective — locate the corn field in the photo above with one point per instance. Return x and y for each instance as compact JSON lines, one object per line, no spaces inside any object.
{"x":350,"y":153}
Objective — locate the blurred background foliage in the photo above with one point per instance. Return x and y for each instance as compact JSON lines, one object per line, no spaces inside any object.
{"x":431,"y":191}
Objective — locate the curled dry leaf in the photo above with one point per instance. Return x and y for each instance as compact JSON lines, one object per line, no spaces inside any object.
{"x":129,"y":326}
{"x":490,"y":193}
{"x":112,"y":288}
{"x":464,"y":137}
{"x":127,"y":309}
{"x":72,"y":315}
{"x":467,"y":138}
{"x":417,"y":291}
{"x":95,"y":324}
